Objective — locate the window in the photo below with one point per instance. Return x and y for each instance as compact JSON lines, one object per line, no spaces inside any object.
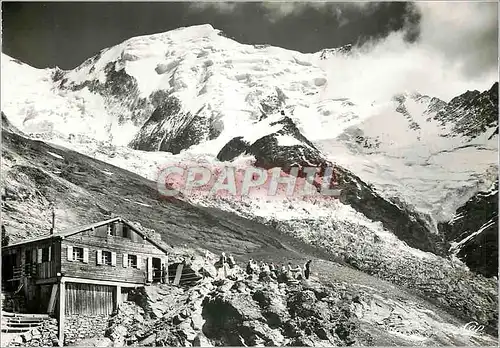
{"x":126,"y":231}
{"x":27,"y":257}
{"x":46,"y":254}
{"x":132,"y":261}
{"x":78,"y":254}
{"x":106,"y":258}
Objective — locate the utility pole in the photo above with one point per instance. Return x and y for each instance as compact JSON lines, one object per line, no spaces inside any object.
{"x":52,"y":208}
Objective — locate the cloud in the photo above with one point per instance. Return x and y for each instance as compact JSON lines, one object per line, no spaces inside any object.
{"x":438,"y":48}
{"x":465,"y":33}
{"x":456,"y":50}
{"x":221,"y":7}
{"x":273,"y":11}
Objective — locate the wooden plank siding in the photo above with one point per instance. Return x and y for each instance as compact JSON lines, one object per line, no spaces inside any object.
{"x":89,"y":299}
{"x":97,"y":240}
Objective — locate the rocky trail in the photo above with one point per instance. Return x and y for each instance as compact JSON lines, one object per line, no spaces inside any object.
{"x":330,"y":310}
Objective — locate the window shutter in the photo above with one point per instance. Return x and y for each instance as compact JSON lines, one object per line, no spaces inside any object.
{"x":86,"y":255}
{"x":99,"y":257}
{"x":150,"y":269}
{"x":33,"y":256}
{"x":125,"y":260}
{"x":50,"y":253}
{"x":139,"y":264}
{"x":39,"y":256}
{"x":70,"y":253}
{"x":113,"y":258}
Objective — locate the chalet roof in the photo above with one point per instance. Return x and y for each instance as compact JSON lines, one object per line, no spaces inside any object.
{"x":79,"y":229}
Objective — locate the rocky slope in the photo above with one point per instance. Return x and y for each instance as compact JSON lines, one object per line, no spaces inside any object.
{"x":473,"y":232}
{"x":85,"y":189}
{"x":287,"y":147}
{"x":246,"y":311}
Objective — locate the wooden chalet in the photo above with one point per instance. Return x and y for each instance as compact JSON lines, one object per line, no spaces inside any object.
{"x":86,"y":270}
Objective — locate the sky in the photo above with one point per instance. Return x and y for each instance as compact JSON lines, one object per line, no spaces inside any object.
{"x":65,"y":34}
{"x":432,"y":46}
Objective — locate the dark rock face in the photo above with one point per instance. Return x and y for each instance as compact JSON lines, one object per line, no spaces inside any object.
{"x":120,"y":89}
{"x":269,"y":154}
{"x":172,"y":130}
{"x":472,"y":113}
{"x":273,"y":103}
{"x":479,"y":250}
{"x":8,"y":126}
{"x":233,"y":149}
{"x":403,"y":222}
{"x":329,"y":52}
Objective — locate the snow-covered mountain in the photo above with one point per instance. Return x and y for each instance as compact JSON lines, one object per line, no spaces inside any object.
{"x":408,"y":167}
{"x":193,"y":95}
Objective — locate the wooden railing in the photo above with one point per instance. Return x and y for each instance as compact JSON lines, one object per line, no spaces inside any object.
{"x":40,"y":271}
{"x":17,"y":273}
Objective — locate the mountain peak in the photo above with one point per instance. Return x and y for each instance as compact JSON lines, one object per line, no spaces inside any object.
{"x":344,"y":50}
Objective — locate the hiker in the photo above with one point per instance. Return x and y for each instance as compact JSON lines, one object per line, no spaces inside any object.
{"x":250,"y":267}
{"x":307,"y":269}
{"x":231,"y":261}
{"x":274,"y":271}
{"x":265,"y":271}
{"x":293,"y":270}
{"x":223,"y":265}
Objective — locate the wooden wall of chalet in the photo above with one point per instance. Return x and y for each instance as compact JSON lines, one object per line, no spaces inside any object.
{"x":32,"y":267}
{"x":97,"y":240}
{"x":89,"y":299}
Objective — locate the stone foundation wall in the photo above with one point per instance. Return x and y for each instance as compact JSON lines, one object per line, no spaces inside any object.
{"x":79,"y":327}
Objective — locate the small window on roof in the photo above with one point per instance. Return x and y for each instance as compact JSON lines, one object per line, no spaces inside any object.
{"x":126,"y":231}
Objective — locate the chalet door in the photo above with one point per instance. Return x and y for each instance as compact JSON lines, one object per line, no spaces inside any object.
{"x":156,"y":269}
{"x":8,"y":264}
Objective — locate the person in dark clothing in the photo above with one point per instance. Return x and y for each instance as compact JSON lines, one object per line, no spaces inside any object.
{"x":250,"y":267}
{"x":307,"y":269}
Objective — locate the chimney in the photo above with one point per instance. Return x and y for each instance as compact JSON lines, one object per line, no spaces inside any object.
{"x":53,"y":220}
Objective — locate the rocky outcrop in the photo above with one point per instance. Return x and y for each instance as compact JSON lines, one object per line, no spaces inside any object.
{"x":239,"y":312}
{"x":471,"y":113}
{"x":332,"y":52}
{"x":408,"y":225}
{"x":473,"y":232}
{"x":171,"y":129}
{"x":276,"y":315}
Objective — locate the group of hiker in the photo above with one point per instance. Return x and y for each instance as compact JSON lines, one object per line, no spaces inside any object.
{"x":281,"y":273}
{"x":227,"y":267}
